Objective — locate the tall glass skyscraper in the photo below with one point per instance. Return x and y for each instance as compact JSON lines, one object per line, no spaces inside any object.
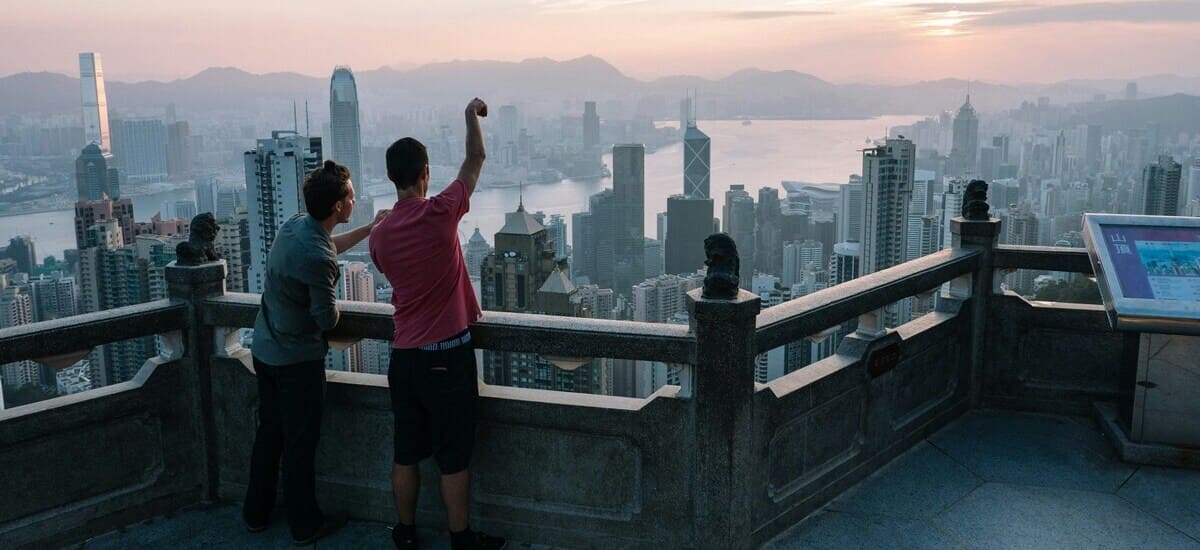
{"x":95,"y":105}
{"x":346,"y":138}
{"x":696,"y":171}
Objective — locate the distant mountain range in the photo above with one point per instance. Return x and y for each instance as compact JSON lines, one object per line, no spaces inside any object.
{"x":558,"y":86}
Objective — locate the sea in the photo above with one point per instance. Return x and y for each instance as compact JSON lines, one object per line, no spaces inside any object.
{"x":763,"y":153}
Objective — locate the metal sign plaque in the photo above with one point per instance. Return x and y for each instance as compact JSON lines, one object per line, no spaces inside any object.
{"x":1148,"y":269}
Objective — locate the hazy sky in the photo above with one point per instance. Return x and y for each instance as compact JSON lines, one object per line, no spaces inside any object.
{"x":863,"y":40}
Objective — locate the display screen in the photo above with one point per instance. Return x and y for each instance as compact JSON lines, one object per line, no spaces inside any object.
{"x":1155,"y":263}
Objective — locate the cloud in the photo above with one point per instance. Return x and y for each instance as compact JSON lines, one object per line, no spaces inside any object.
{"x":566,"y":6}
{"x":753,"y":15}
{"x":1150,"y":11}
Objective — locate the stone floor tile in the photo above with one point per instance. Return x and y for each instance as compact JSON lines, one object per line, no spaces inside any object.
{"x":841,"y":531}
{"x":1033,"y":449}
{"x":917,"y":484}
{"x":1005,"y":516}
{"x":1169,"y":494}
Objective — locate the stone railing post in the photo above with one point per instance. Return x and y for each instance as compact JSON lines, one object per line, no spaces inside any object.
{"x":194,"y":284}
{"x":976,"y":229}
{"x":723,"y":416}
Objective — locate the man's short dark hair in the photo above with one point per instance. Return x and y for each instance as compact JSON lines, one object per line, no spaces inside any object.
{"x":324,"y":187}
{"x":405,"y":160}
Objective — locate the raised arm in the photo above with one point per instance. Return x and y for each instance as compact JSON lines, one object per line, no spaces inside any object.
{"x":473,"y":163}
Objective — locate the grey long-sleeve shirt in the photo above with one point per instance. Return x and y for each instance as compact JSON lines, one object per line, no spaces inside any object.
{"x":299,"y":298}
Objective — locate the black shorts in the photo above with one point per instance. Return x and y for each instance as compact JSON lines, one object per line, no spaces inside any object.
{"x":434,"y":392}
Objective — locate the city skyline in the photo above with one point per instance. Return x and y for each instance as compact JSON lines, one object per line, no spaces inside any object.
{"x":995,"y":40}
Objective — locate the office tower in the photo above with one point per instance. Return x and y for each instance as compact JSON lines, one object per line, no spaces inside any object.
{"x":850,"y":220}
{"x":229,"y":199}
{"x":845,"y":262}
{"x":661,"y":299}
{"x":629,"y":220}
{"x":179,"y":149}
{"x":1092,"y":143}
{"x":583,"y":246}
{"x":1058,"y":163}
{"x":952,"y":196}
{"x":591,"y":127}
{"x":966,"y":140}
{"x":144,"y":146}
{"x":919,"y":206}
{"x":229,"y":246}
{"x":95,"y":104}
{"x":96,"y":176}
{"x":595,"y":239}
{"x":800,"y":257}
{"x":477,"y":249}
{"x":275,"y":172}
{"x":1160,"y":187}
{"x":696,"y":163}
{"x":660,"y":226}
{"x":89,"y":213}
{"x":691,"y":221}
{"x":556,"y":230}
{"x":20,"y":249}
{"x":888,"y":172}
{"x":595,"y":302}
{"x":16,"y":308}
{"x":739,"y":221}
{"x":508,"y":123}
{"x":768,"y":232}
{"x":346,"y":141}
{"x":53,"y":296}
{"x":654,"y":258}
{"x":1131,"y":91}
{"x":522,"y":276}
{"x":183,"y":210}
{"x":1023,"y":228}
{"x":1193,"y":190}
{"x":206,"y":195}
{"x":685,"y":113}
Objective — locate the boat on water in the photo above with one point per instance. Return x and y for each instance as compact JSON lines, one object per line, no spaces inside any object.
{"x":746,"y":123}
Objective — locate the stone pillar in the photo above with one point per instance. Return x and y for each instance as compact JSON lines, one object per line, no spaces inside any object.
{"x":193,"y":284}
{"x":980,"y":235}
{"x":723,"y":416}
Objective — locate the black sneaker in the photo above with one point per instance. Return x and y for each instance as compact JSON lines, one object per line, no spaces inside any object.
{"x":405,"y":536}
{"x":251,"y":528}
{"x":474,"y":540}
{"x":328,"y":527}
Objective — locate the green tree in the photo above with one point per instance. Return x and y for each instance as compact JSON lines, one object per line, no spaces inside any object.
{"x":24,"y":395}
{"x":1081,"y":290}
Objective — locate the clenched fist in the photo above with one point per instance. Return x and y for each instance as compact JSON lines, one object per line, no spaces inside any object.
{"x":477,"y":107}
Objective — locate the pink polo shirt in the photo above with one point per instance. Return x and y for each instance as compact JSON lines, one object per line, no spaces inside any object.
{"x":417,"y":249}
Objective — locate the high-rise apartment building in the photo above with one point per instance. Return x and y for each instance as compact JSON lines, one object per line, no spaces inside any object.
{"x":799,"y":258}
{"x":556,"y":231}
{"x":768,"y":232}
{"x":965,"y":141}
{"x":690,"y":221}
{"x":21,"y":250}
{"x":96,"y":175}
{"x":1160,"y":187}
{"x":53,"y":296}
{"x":275,"y":172}
{"x":850,"y":218}
{"x":888,"y":173}
{"x":92,"y":212}
{"x":95,"y":104}
{"x":16,"y":308}
{"x":206,"y":194}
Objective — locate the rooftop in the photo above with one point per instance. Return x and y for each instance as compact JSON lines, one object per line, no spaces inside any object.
{"x":989,"y":420}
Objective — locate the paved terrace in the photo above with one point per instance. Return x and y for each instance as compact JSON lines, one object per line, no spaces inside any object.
{"x":717,"y":461}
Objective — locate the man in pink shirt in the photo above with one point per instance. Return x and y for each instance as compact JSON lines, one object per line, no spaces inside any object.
{"x":432,"y":374}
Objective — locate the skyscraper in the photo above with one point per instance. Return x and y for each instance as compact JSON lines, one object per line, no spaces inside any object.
{"x":690,"y":221}
{"x":591,"y":127}
{"x":845,"y":262}
{"x":96,"y":175}
{"x":888,"y":173}
{"x":477,"y":249}
{"x":1193,"y":190}
{"x":850,"y":220}
{"x":53,"y":297}
{"x":1160,"y":187}
{"x":738,"y":221}
{"x":144,"y":144}
{"x":89,"y":213}
{"x":16,"y":309}
{"x":800,"y":258}
{"x":206,"y":194}
{"x":179,"y":148}
{"x":275,"y":172}
{"x":95,"y":104}
{"x":346,"y":139}
{"x":920,"y":206}
{"x":556,"y":230}
{"x":768,"y":232}
{"x":696,"y":163}
{"x":965,"y":141}
{"x":629,"y":223}
{"x":20,"y":249}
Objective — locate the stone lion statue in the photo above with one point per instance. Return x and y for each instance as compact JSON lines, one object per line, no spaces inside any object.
{"x":975,"y":206}
{"x":198,"y":248}
{"x":723,"y":263}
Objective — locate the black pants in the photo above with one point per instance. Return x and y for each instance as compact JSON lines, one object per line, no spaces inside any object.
{"x":289,"y":425}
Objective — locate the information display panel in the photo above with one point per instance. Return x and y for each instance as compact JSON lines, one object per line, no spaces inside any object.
{"x":1148,"y":269}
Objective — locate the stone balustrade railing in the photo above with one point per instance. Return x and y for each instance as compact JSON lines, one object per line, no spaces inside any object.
{"x":720,"y":461}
